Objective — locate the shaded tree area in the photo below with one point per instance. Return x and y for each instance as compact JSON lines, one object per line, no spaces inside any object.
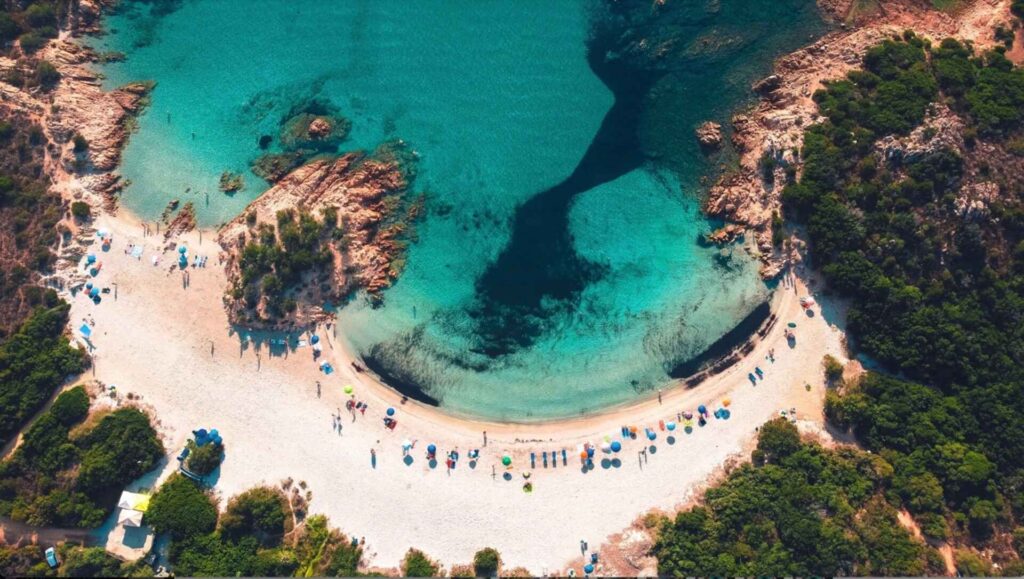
{"x":69,"y":471}
{"x":935,"y":287}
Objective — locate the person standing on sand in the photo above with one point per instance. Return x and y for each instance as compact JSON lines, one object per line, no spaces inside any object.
{"x":485,"y":438}
{"x":659,"y":396}
{"x":317,"y":388}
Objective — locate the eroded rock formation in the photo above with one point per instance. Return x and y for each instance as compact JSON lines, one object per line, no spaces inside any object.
{"x":367,"y":197}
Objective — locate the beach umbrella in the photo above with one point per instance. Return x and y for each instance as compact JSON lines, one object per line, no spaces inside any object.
{"x":583,"y":455}
{"x":726,"y":402}
{"x":670,"y":425}
{"x":726,"y":414}
{"x":616,"y":446}
{"x":348,"y":388}
{"x":182,"y":249}
{"x":590,"y":451}
{"x":651,"y":435}
{"x":101,"y":233}
{"x":605,"y":447}
{"x":94,"y":292}
{"x":702,"y":409}
{"x":431,"y":449}
{"x":588,"y":568}
{"x":91,"y":258}
{"x":506,"y":460}
{"x":791,"y":324}
{"x":406,"y":444}
{"x":88,"y":285}
{"x":391,"y":411}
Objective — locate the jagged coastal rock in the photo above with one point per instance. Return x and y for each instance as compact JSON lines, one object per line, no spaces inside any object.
{"x":365,"y":209}
{"x":773,"y":130}
{"x":709,"y":134}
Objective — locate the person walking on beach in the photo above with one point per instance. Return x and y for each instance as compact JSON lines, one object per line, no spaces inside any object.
{"x":659,"y":396}
{"x":373,"y":458}
{"x":317,"y":388}
{"x":485,"y":438}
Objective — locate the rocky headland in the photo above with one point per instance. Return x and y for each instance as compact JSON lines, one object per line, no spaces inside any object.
{"x":768,"y":137}
{"x":353,"y":215}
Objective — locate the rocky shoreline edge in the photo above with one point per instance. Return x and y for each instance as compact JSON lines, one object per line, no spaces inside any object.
{"x":769,"y":135}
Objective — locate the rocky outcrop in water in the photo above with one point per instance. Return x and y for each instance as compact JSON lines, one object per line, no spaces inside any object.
{"x":366,"y":210}
{"x":709,"y":135}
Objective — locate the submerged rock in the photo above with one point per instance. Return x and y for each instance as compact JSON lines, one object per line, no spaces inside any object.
{"x":709,"y":134}
{"x":273,"y":167}
{"x":231,"y":182}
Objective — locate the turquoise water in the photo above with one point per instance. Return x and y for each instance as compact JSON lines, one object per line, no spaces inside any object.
{"x":501,"y":103}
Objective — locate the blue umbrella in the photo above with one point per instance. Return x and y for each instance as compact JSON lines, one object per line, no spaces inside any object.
{"x":588,"y":568}
{"x":391,"y":411}
{"x":315,"y":339}
{"x":182,"y":249}
{"x":88,"y":285}
{"x":670,"y":425}
{"x":94,"y":292}
{"x":616,"y":446}
{"x":651,"y":435}
{"x":431,"y":449}
{"x":702,"y":409}
{"x":590,"y":451}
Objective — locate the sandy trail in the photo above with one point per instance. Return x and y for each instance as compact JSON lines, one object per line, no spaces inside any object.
{"x":155,"y":341}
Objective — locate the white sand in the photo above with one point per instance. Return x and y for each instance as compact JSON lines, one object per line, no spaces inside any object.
{"x":155,"y":339}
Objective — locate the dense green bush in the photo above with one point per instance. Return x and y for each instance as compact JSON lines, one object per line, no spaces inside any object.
{"x":486,"y":562}
{"x":258,"y":512}
{"x":33,"y":363}
{"x":46,"y":74}
{"x":935,"y":295}
{"x":205,"y":459}
{"x":121,"y":448}
{"x":810,"y":512}
{"x":181,"y":509}
{"x":416,"y":564}
{"x":81,"y":210}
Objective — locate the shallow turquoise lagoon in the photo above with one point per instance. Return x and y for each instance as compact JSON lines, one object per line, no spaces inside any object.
{"x":500,"y":102}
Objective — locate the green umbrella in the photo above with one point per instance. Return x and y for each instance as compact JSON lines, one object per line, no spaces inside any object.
{"x":348,"y":389}
{"x":792,"y":324}
{"x":506,"y":460}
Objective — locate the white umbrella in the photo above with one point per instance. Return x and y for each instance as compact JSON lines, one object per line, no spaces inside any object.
{"x":406,"y":445}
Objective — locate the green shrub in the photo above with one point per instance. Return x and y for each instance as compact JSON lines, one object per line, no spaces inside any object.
{"x":47,"y":75}
{"x":71,"y":407}
{"x":81,"y":210}
{"x":33,"y":363}
{"x":833,"y":368}
{"x":486,"y":562}
{"x":416,"y":564}
{"x":120,"y":449}
{"x":970,"y":564}
{"x":30,"y":42}
{"x":80,"y":143}
{"x":203,"y":460}
{"x":778,"y":439}
{"x":9,"y":29}
{"x":181,"y":509}
{"x":258,"y":512}
{"x":40,"y":14}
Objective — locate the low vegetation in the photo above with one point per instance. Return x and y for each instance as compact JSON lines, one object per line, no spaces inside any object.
{"x":69,"y":473}
{"x":262,"y":532}
{"x":34,"y":362}
{"x":279,"y":257}
{"x":797,"y":510}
